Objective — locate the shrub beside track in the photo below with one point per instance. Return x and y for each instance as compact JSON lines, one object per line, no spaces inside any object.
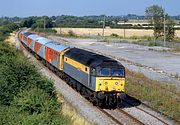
{"x":26,"y":97}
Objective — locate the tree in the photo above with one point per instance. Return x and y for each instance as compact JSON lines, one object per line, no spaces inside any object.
{"x":28,"y":22}
{"x":156,"y":14}
{"x":39,"y":22}
{"x":170,"y":31}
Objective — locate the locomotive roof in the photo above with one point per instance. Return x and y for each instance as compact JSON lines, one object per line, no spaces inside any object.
{"x":27,"y":33}
{"x":91,"y":59}
{"x":43,"y":40}
{"x":56,"y":46}
{"x":34,"y":36}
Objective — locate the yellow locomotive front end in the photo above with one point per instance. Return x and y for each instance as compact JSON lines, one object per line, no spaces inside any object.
{"x":110,"y":82}
{"x":110,"y":79}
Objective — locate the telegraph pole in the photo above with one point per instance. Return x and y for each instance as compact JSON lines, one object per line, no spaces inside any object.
{"x":124,"y":29}
{"x":164,"y":29}
{"x":44,"y":24}
{"x":103,"y":26}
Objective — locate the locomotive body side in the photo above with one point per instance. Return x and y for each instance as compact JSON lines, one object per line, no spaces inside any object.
{"x":78,"y":71}
{"x":25,"y":37}
{"x":39,"y":47}
{"x":53,"y":53}
{"x":32,"y":38}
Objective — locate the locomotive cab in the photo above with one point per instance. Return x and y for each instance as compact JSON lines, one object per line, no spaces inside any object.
{"x":102,"y":77}
{"x":109,"y":76}
{"x":109,"y":79}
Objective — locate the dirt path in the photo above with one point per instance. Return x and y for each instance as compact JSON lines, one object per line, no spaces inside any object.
{"x":11,"y":39}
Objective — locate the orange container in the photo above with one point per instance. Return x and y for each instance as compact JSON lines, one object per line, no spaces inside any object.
{"x":51,"y":54}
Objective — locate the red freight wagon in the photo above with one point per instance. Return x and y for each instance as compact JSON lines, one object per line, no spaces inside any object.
{"x":39,"y":46}
{"x":53,"y":51}
{"x":29,"y":40}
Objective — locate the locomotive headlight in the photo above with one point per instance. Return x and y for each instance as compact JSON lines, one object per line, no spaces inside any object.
{"x":116,"y":83}
{"x":106,"y":83}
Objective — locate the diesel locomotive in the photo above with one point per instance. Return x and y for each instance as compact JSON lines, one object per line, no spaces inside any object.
{"x":98,"y":78}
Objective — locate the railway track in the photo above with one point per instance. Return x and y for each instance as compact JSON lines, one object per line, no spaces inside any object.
{"x":146,"y":112}
{"x":110,"y":116}
{"x":145,"y":105}
{"x":131,"y":117}
{"x":114,"y":115}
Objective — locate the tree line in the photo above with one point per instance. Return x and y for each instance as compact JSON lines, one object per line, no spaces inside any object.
{"x":155,"y":14}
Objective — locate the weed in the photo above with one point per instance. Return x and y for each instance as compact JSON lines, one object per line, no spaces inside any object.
{"x":161,"y":96}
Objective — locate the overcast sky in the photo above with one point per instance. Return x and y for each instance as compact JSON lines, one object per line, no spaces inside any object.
{"x":25,"y":8}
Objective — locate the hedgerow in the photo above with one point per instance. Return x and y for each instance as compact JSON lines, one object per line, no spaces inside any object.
{"x":26,"y":96}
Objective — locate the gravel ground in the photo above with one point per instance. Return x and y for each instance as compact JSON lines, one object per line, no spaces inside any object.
{"x":161,"y":66}
{"x":144,"y":117}
{"x":121,"y":117}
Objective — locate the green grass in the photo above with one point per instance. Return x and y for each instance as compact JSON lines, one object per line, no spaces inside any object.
{"x":161,"y":96}
{"x":149,"y":38}
{"x":26,"y":97}
{"x":174,"y":50}
{"x":177,"y":39}
{"x":105,"y":40}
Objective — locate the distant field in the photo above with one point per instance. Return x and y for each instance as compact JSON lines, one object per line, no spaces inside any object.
{"x":108,"y":31}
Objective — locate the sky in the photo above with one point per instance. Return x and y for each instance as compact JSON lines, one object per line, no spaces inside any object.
{"x":24,"y":8}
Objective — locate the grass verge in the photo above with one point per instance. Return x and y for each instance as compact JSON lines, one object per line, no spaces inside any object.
{"x":175,"y":50}
{"x":26,"y":97}
{"x":161,"y":96}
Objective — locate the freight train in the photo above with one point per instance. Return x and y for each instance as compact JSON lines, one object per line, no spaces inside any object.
{"x":98,"y":78}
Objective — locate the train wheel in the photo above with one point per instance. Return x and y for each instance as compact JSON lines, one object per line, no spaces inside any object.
{"x":112,"y":101}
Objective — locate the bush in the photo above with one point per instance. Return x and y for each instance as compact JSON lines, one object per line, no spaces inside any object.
{"x":153,"y":44}
{"x":26,"y":97}
{"x":114,"y":35}
{"x":40,"y":106}
{"x":161,"y":96}
{"x":16,"y":74}
{"x":45,"y":119}
{"x":10,"y":115}
{"x":35,"y":100}
{"x":7,"y":29}
{"x":71,"y":33}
